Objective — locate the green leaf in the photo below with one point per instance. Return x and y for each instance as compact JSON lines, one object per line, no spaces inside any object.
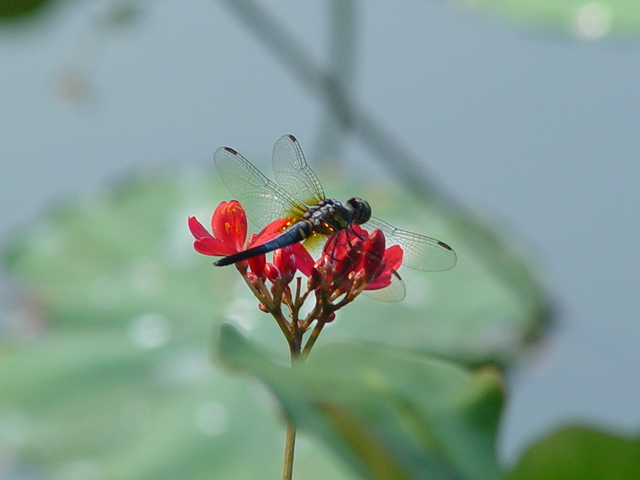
{"x":104,"y":364}
{"x":20,"y":9}
{"x":105,"y":368}
{"x":580,"y":453}
{"x":583,"y":19}
{"x":391,"y":413}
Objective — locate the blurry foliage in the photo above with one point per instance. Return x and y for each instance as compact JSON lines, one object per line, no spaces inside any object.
{"x":20,"y":9}
{"x":580,"y":453}
{"x":107,"y":365}
{"x":105,"y":369}
{"x":389,"y":412}
{"x":114,"y":13}
{"x":583,"y":19}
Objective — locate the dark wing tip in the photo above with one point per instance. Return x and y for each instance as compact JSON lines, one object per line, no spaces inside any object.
{"x":292,"y":138}
{"x":231,"y":150}
{"x":444,"y":245}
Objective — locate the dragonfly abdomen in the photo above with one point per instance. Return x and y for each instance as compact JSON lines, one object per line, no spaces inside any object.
{"x":294,"y":234}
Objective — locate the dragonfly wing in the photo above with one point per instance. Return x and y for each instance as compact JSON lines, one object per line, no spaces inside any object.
{"x":263,"y":199}
{"x":292,"y":172}
{"x":420,"y":252}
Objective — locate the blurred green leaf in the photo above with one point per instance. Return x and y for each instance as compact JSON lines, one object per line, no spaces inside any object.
{"x":584,"y":19}
{"x":390,"y":413}
{"x":104,"y":365}
{"x":105,"y":370}
{"x":580,"y":453}
{"x":20,"y":9}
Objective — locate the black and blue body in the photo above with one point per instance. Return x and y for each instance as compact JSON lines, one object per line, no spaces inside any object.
{"x":294,"y":234}
{"x":326,"y":218}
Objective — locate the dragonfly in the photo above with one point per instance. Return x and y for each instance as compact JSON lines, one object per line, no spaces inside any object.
{"x":298,"y":195}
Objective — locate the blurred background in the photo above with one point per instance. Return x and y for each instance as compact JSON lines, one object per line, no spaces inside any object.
{"x":528,"y":118}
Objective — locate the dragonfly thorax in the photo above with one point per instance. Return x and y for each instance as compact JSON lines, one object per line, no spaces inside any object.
{"x":330,"y":216}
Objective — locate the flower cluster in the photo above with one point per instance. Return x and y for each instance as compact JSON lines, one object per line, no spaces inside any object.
{"x":352,"y":260}
{"x":355,"y":260}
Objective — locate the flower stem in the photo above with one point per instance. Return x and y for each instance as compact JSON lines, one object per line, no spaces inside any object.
{"x":295,"y":346}
{"x":289,"y":446}
{"x":315,"y":333}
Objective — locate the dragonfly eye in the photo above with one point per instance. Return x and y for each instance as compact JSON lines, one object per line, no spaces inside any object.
{"x":361,"y":210}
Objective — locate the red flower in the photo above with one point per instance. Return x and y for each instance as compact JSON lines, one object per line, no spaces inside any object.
{"x":392,"y":262}
{"x":354,"y":259}
{"x":229,"y":227}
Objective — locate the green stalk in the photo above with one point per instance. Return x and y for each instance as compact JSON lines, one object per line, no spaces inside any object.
{"x":290,"y":442}
{"x":295,"y":346}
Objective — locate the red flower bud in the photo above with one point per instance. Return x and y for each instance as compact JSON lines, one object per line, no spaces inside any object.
{"x":272,"y":272}
{"x":285,"y":260}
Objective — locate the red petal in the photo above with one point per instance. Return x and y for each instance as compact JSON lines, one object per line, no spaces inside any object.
{"x":269,"y":232}
{"x":212,"y":246}
{"x":304,"y":260}
{"x":383,"y":281}
{"x":205,"y":243}
{"x":377,"y":242}
{"x":393,"y":256}
{"x":258,"y":262}
{"x":373,"y":254}
{"x":197,"y":229}
{"x":272,"y":272}
{"x":257,"y":265}
{"x":361,"y":232}
{"x":229,"y":224}
{"x":285,"y":260}
{"x":392,"y":262}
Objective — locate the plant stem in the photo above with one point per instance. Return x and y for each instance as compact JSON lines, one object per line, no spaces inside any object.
{"x":289,"y":446}
{"x":295,"y":346}
{"x":312,"y":339}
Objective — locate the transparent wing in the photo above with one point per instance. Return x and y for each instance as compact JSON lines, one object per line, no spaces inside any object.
{"x":420,"y":252}
{"x":292,"y":172}
{"x":263,"y":200}
{"x":395,"y":292}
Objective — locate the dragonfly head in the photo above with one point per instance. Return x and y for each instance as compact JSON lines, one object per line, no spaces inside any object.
{"x":360,"y":209}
